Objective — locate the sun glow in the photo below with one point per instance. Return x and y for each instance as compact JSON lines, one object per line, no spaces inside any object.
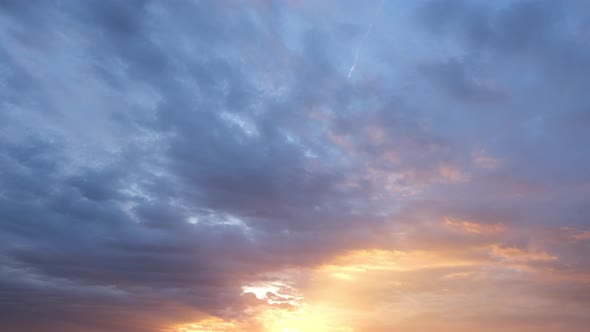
{"x":306,"y":318}
{"x":348,"y":293}
{"x":303,"y":319}
{"x":208,"y":325}
{"x":275,"y":293}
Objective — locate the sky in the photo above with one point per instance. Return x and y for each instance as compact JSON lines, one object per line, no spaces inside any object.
{"x":294,"y":166}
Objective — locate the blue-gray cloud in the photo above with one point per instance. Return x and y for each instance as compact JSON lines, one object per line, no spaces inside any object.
{"x":156,"y":156}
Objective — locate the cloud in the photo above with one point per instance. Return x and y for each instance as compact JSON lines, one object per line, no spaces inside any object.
{"x":519,"y":255}
{"x":158,"y":157}
{"x":466,"y":226}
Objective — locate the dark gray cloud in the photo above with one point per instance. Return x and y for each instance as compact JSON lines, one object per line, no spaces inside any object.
{"x":157,"y":156}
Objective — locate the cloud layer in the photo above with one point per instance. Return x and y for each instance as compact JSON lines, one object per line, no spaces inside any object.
{"x":210,"y":162}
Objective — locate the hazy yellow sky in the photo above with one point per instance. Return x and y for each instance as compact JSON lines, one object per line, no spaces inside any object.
{"x":476,"y":283}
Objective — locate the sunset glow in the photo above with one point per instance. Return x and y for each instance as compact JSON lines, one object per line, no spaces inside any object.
{"x":294,"y":166}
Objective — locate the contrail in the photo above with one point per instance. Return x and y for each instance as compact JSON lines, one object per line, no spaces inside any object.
{"x":361,"y":43}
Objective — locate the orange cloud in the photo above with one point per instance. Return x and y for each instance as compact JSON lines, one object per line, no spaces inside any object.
{"x":452,"y":174}
{"x":512,"y":254}
{"x":466,"y":226}
{"x":208,"y":325}
{"x":581,"y":235}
